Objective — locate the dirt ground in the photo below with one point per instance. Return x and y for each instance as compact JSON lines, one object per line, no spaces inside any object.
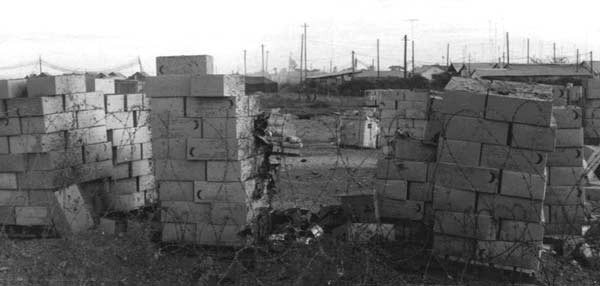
{"x":308,"y":181}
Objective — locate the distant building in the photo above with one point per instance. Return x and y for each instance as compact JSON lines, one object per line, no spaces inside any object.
{"x":595,"y":65}
{"x":533,"y":72}
{"x":428,"y":71}
{"x":470,"y":68}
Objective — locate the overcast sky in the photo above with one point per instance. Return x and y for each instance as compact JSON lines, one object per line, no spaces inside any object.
{"x":98,"y":34}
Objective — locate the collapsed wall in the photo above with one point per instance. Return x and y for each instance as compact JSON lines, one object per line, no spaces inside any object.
{"x":206,"y":162}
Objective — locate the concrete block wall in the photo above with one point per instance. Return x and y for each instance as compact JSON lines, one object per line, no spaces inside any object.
{"x":203,"y":149}
{"x":591,"y":111}
{"x":565,"y":196}
{"x":402,"y":186}
{"x":490,"y":178}
{"x":47,"y":140}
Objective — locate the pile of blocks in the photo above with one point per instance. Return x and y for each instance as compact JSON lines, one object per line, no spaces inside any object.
{"x":591,"y":111}
{"x":565,"y":196}
{"x":52,"y":136}
{"x":203,"y":150}
{"x":127,"y":120}
{"x":490,"y":177}
{"x":399,"y":109}
{"x":403,"y":189}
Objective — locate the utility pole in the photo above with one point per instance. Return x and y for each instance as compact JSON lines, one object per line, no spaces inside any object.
{"x":301,"y":57}
{"x":245,"y":74}
{"x":140,"y":64}
{"x":352,"y":63}
{"x":448,"y":55}
{"x":577,"y":61}
{"x":377,"y":58}
{"x":412,"y":42}
{"x":592,"y":64}
{"x":554,"y":52}
{"x":405,"y":66}
{"x":40,"y":63}
{"x":267,"y":63}
{"x":262,"y":58}
{"x":330,"y":65}
{"x":305,"y":53}
{"x":507,"y":50}
{"x":527,"y":50}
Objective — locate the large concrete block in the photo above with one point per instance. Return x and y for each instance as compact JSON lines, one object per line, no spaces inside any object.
{"x":171,"y":107}
{"x":168,"y":86}
{"x":458,"y":152}
{"x":176,"y":191}
{"x":469,"y":225}
{"x":512,"y":208}
{"x":592,"y":88}
{"x":477,"y":179}
{"x":134,"y":101}
{"x":128,"y":86}
{"x":566,"y":157}
{"x":4,"y":145}
{"x":523,"y":185}
{"x":9,"y":126}
{"x":76,"y":212}
{"x":572,"y":214}
{"x":420,"y":191}
{"x":55,"y":159}
{"x":454,"y":200}
{"x":17,"y":107}
{"x":565,"y":195}
{"x":196,"y":64}
{"x":86,"y":136}
{"x":90,"y":118}
{"x":475,"y":130}
{"x":513,"y":159}
{"x":124,"y":186}
{"x":238,"y":127}
{"x":14,"y":198}
{"x":115,"y":103}
{"x":460,"y":103}
{"x":566,"y":176}
{"x":221,"y":107}
{"x":30,"y":215}
{"x":170,"y":148}
{"x":142,"y":168}
{"x":567,"y":116}
{"x":97,"y":152}
{"x":175,"y":170}
{"x":8,"y":181}
{"x":185,"y":212}
{"x":213,"y":234}
{"x":402,"y":170}
{"x":569,"y":137}
{"x":393,"y":189}
{"x":84,"y":101}
{"x":235,"y":192}
{"x":126,"y":153}
{"x":52,"y":85}
{"x":189,"y":127}
{"x":217,"y":86}
{"x":13,"y":162}
{"x":231,"y":171}
{"x":104,"y":85}
{"x":228,"y":213}
{"x":128,"y":136}
{"x":48,"y":123}
{"x":400,"y":209}
{"x":533,"y":137}
{"x":413,"y":150}
{"x":37,"y":143}
{"x":511,"y":230}
{"x":11,"y":88}
{"x":119,"y":120}
{"x":521,"y":108}
{"x":178,"y":232}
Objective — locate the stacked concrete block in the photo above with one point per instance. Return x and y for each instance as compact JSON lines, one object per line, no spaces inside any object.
{"x":127,"y":121}
{"x":45,"y":138}
{"x":403,"y":188}
{"x":205,"y":162}
{"x":399,"y":109}
{"x":171,"y":65}
{"x":565,"y":196}
{"x":490,"y":177}
{"x":359,"y":129}
{"x":591,"y":111}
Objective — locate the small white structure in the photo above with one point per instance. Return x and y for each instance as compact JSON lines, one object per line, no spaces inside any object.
{"x":359,"y":130}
